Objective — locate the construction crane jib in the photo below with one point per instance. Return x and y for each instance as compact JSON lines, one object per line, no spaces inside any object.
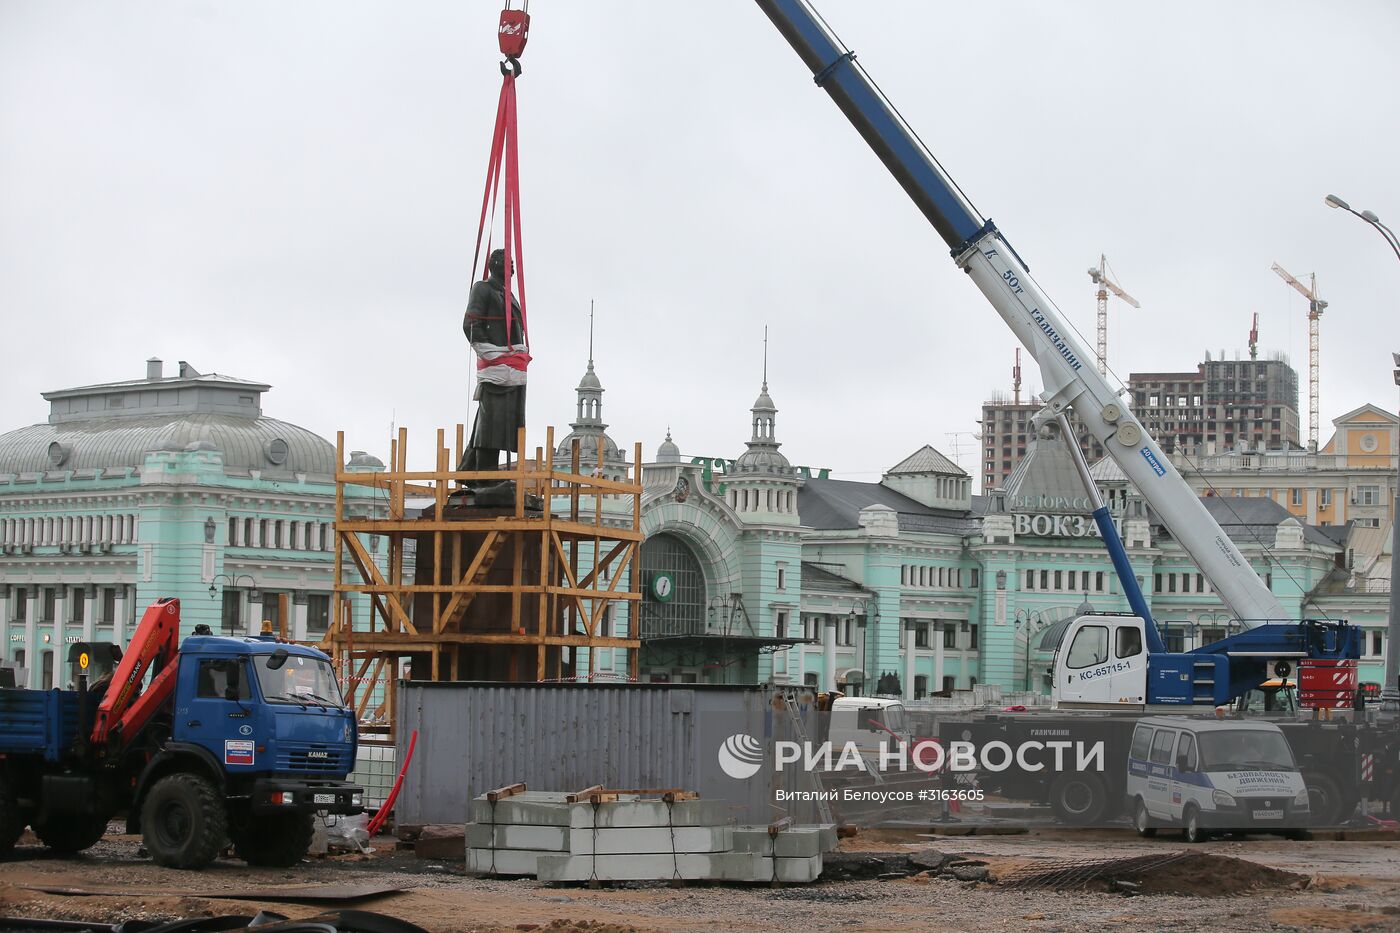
{"x":1315,"y":308}
{"x":1100,"y":278}
{"x":982,"y":251}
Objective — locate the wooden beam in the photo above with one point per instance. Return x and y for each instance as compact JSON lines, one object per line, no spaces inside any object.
{"x":466,"y":588}
{"x":404,"y":643}
{"x":371,"y":573}
{"x":567,"y":528}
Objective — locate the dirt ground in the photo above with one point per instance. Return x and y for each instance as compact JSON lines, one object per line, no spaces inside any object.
{"x":1224,"y":885}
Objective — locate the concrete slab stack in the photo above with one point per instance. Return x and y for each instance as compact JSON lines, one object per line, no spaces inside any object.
{"x":622,"y":836}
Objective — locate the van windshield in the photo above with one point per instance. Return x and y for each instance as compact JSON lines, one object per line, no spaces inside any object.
{"x":893,"y":718}
{"x":308,"y":681}
{"x":1245,"y":750}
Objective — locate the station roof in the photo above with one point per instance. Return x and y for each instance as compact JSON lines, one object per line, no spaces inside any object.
{"x":831,"y":504}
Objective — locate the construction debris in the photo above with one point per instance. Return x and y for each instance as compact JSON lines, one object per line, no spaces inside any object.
{"x":619,"y":835}
{"x":1193,"y":874}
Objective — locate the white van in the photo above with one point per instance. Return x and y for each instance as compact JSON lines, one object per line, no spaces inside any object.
{"x":1207,"y":775}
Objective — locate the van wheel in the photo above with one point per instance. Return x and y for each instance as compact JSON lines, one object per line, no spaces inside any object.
{"x":1079,"y":799}
{"x":1142,"y":822}
{"x":1194,"y":832}
{"x":1324,"y":799}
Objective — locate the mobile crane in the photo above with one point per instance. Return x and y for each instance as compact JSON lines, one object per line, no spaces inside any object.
{"x":1107,"y":663}
{"x":1112,"y":660}
{"x":239,"y":740}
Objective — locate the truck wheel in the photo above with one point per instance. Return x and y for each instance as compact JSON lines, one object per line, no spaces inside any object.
{"x":1324,"y":798}
{"x":1079,"y":799}
{"x":12,"y":820}
{"x":1194,"y":832}
{"x":275,"y":840}
{"x":71,"y":835}
{"x":183,"y":822}
{"x":1142,"y":822}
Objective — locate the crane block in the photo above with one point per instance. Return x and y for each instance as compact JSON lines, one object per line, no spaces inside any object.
{"x":513,"y":32}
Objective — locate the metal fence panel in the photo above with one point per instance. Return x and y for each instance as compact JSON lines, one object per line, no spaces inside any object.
{"x":473,"y":737}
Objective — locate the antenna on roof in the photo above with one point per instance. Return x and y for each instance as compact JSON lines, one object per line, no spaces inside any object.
{"x":590,"y":331}
{"x":765,"y":357}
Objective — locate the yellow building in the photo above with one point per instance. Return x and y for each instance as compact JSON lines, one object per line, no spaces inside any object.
{"x":1351,"y":479}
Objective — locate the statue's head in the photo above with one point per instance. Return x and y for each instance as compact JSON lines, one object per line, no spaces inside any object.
{"x":496,"y":264}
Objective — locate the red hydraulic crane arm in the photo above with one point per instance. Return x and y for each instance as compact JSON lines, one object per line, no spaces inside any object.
{"x":153,"y":648}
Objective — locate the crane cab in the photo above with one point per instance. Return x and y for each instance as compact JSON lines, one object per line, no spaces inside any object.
{"x":1102,"y":660}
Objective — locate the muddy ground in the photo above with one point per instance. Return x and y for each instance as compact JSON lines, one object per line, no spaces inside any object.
{"x":1224,"y":885}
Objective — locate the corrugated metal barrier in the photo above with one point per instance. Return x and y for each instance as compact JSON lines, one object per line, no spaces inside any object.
{"x":474,"y":737}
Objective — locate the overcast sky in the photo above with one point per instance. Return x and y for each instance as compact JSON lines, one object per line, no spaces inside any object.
{"x":288,"y":191}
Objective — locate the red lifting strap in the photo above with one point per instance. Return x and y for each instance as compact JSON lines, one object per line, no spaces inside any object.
{"x":503,"y":174}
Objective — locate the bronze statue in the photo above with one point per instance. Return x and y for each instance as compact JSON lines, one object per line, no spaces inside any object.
{"x":502,"y":356}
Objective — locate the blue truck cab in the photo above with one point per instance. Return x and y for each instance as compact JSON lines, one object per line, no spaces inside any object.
{"x":251,"y":743}
{"x":270,"y":713}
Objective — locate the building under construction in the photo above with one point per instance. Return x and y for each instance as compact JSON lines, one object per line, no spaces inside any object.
{"x":499,"y":593}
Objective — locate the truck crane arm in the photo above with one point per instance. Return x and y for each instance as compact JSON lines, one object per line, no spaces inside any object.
{"x":154,"y":649}
{"x":982,"y":251}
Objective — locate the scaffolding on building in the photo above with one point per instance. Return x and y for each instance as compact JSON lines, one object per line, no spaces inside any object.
{"x":512,"y":593}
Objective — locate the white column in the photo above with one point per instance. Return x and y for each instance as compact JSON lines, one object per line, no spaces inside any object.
{"x":298,"y":629}
{"x":249,"y":621}
{"x":119,"y":616}
{"x":937,"y":635}
{"x":829,"y":652}
{"x":31,"y":638}
{"x":90,"y":613}
{"x":60,"y":624}
{"x":4,"y":621}
{"x":909,"y":626}
{"x":257,"y":533}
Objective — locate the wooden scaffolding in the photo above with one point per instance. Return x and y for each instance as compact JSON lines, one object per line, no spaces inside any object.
{"x":482,"y":593}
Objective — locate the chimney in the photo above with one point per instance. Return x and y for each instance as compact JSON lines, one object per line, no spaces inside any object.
{"x":155,"y":369}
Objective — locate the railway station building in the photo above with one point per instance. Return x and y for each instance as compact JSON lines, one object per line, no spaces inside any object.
{"x":166,"y":485}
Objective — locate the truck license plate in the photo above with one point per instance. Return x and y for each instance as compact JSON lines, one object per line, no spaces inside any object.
{"x":330,"y":798}
{"x":1268,"y":814}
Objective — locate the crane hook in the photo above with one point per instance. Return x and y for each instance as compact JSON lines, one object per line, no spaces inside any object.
{"x":511,"y":66}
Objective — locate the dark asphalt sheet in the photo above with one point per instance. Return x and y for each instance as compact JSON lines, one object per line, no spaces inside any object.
{"x":292,"y":893}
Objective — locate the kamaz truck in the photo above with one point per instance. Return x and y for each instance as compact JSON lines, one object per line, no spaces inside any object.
{"x":217,"y":741}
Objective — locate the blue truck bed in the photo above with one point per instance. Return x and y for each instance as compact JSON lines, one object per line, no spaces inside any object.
{"x":34,"y":722}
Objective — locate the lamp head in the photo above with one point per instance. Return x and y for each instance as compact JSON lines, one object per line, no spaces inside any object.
{"x":1333,"y":201}
{"x":1370,"y":216}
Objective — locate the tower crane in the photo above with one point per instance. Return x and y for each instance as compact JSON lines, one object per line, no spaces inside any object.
{"x":1315,"y":308}
{"x":1254,"y":337}
{"x":1106,"y":285}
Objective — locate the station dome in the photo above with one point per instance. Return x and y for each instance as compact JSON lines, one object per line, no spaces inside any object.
{"x":114,"y":425}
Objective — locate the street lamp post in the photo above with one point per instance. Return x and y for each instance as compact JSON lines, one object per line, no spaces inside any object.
{"x":1025,"y":618}
{"x":1390,"y":691}
{"x":233,"y":581}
